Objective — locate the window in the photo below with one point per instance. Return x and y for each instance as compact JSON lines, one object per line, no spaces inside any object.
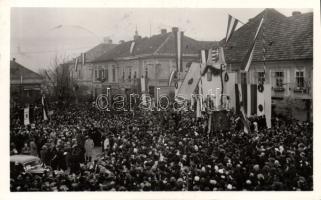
{"x":130,"y":74}
{"x":106,"y":75}
{"x":101,"y":74}
{"x":261,"y":77}
{"x":114,"y":74}
{"x":135,"y":75}
{"x":279,"y":77}
{"x":146,"y":72}
{"x":96,"y":74}
{"x":123,"y":74}
{"x":299,"y":77}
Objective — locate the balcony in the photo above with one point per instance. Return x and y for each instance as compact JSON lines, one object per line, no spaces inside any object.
{"x":302,"y":90}
{"x":278,"y":89}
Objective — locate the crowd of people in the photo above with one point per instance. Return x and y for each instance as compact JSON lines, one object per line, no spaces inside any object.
{"x":160,"y":151}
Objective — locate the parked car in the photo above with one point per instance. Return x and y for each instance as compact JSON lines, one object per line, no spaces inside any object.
{"x":27,"y":163}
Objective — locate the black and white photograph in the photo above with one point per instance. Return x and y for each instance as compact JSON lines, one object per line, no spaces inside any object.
{"x":161,"y":99}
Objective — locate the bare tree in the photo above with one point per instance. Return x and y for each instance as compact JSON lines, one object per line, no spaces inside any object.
{"x":59,"y":85}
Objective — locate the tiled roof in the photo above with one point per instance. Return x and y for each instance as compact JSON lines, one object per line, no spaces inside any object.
{"x":161,"y":44}
{"x":190,"y":46}
{"x":98,"y":50}
{"x":287,"y":38}
{"x":17,"y":70}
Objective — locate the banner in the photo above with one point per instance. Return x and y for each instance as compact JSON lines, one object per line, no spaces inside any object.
{"x":26,"y":116}
{"x":190,"y":81}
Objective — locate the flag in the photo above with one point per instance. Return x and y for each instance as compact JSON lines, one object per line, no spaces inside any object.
{"x":199,"y":100}
{"x":204,"y":56}
{"x":249,"y":55}
{"x":268,"y":104}
{"x":143,"y":89}
{"x":231,"y":26}
{"x":46,"y":72}
{"x":171,"y":77}
{"x":83,"y":59}
{"x":190,"y":81}
{"x":240,"y":107}
{"x":178,"y":47}
{"x":76,"y":64}
{"x":132,"y":45}
{"x":26,"y":116}
{"x":44,"y":108}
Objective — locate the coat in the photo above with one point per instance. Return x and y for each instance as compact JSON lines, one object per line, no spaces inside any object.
{"x":89,"y":146}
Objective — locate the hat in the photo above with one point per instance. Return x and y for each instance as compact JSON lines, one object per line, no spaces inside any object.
{"x":260,"y":176}
{"x":196,"y":178}
{"x":213,"y":182}
{"x":256,"y":167}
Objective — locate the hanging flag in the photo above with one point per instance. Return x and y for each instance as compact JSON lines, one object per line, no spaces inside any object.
{"x":46,"y":72}
{"x":240,"y":107}
{"x":83,"y":59}
{"x":26,"y":116}
{"x":249,"y":55}
{"x":199,"y":100}
{"x":44,"y":108}
{"x":231,"y":26}
{"x":76,"y":64}
{"x":143,"y":89}
{"x":171,"y":77}
{"x":268,"y":104}
{"x":190,"y":81}
{"x":132,"y":45}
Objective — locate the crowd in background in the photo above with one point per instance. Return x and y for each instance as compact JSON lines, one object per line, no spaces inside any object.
{"x":160,"y":151}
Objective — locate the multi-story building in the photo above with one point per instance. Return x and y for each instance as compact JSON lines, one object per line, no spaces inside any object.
{"x":25,"y":85}
{"x":82,"y":74}
{"x":288,"y":44}
{"x":152,"y":57}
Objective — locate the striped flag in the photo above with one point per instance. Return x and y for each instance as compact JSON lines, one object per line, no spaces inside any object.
{"x":249,"y":55}
{"x":132,"y":45}
{"x":256,"y":101}
{"x":240,"y":106}
{"x":83,"y":59}
{"x":143,"y":89}
{"x":44,"y":108}
{"x":231,"y":26}
{"x":76,"y":64}
{"x":171,"y":77}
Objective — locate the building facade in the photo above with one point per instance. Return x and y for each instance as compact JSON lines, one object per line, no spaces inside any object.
{"x":284,"y":50}
{"x":152,"y":58}
{"x":25,"y":85}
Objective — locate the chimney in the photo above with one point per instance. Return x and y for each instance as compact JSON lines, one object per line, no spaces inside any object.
{"x":107,"y":40}
{"x":163,"y":31}
{"x":296,"y":13}
{"x":121,"y":41}
{"x":14,"y":59}
{"x":175,"y":29}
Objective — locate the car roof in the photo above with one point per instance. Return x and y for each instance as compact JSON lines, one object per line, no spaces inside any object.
{"x":23,"y":158}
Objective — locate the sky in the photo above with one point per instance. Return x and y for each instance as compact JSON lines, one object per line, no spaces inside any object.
{"x":38,"y":35}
